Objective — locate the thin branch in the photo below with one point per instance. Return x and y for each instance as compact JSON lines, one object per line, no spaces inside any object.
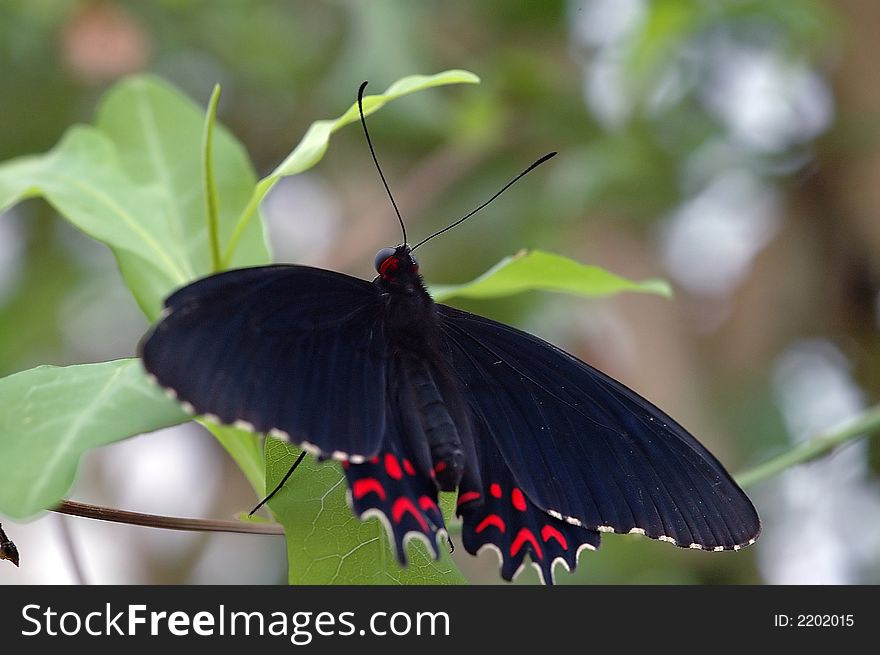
{"x":85,"y":510}
{"x":862,"y":426}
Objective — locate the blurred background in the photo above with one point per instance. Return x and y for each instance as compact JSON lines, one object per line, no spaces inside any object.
{"x":730,"y":146}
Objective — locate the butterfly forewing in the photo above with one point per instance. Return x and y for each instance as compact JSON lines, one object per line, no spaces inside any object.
{"x":586,"y":449}
{"x":293,"y":351}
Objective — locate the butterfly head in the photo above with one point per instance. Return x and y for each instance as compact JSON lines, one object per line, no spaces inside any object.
{"x":397,"y":265}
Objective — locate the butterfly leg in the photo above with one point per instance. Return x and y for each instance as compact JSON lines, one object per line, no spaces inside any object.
{"x":279,"y":485}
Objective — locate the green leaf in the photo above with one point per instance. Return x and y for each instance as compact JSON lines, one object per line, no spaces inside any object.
{"x":314,"y":144}
{"x":246,"y":448}
{"x":159,"y":135}
{"x":326,"y":544}
{"x":135,"y":183}
{"x":82,"y":178}
{"x":539,"y":270}
{"x":49,"y":416}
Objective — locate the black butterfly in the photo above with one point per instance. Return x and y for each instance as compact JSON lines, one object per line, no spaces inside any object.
{"x":414,"y":397}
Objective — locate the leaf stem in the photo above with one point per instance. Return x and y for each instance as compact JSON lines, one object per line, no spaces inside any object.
{"x":245,"y":448}
{"x":84,"y":510}
{"x":211,"y":202}
{"x":260,"y":190}
{"x":862,"y":426}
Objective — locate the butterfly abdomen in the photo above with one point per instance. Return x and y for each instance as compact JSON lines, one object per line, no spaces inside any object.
{"x":438,"y":426}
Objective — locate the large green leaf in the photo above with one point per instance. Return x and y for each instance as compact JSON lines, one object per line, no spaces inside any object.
{"x":326,"y":544}
{"x":49,"y":416}
{"x":157,"y":132}
{"x":539,"y":270}
{"x":136,"y":184}
{"x":83,"y":179}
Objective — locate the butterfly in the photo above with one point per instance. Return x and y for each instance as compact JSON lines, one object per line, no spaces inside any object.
{"x":414,"y":397}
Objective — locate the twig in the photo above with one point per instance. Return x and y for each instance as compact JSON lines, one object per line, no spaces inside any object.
{"x":85,"y":510}
{"x":822,"y":444}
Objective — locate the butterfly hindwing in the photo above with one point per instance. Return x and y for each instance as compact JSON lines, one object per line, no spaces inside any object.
{"x":294,"y":351}
{"x":588,"y":450}
{"x":501,"y":516}
{"x":389,"y":487}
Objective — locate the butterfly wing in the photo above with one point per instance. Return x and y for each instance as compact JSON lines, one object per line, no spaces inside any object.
{"x":498,"y":515}
{"x":388,"y":486}
{"x":294,"y":351}
{"x":587,"y":450}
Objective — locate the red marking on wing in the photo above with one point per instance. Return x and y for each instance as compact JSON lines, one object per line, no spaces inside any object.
{"x":345,"y":464}
{"x":374,"y":460}
{"x":492,"y":519}
{"x":495,"y":490}
{"x":404,"y":504}
{"x":392,"y":466}
{"x":440,"y":467}
{"x":522,"y":537}
{"x":427,"y":504}
{"x":408,"y":467}
{"x":362,"y":487}
{"x":467,"y":497}
{"x":548,"y":532}
{"x":518,"y":500}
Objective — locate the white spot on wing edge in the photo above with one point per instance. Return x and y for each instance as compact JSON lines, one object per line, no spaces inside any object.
{"x":555,"y":514}
{"x":494,"y":549}
{"x":152,"y":379}
{"x":188,"y":408}
{"x":696,"y":546}
{"x":604,"y":528}
{"x":540,"y":572}
{"x":357,"y":459}
{"x":718,"y":549}
{"x":375,"y":512}
{"x":637,"y":531}
{"x":309,"y":447}
{"x":339,"y":456}
{"x":663,"y":537}
{"x":279,"y":434}
{"x":170,"y":393}
{"x":241,"y":424}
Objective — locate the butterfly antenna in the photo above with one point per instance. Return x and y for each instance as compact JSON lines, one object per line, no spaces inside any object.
{"x":373,"y":153}
{"x":280,"y":484}
{"x":461,"y":220}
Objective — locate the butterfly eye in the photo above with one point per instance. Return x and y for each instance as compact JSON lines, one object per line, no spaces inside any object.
{"x":381,"y":256}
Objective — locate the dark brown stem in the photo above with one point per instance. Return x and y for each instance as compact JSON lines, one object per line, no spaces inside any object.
{"x":85,"y":510}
